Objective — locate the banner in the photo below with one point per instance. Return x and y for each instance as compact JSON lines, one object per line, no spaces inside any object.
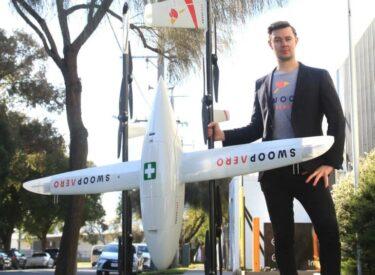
{"x":177,"y":14}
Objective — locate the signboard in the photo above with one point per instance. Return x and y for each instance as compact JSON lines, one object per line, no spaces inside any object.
{"x":303,"y":246}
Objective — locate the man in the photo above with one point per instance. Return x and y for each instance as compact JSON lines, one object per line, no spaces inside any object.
{"x":291,"y":102}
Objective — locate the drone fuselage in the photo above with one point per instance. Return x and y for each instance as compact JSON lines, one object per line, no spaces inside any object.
{"x":162,"y":193}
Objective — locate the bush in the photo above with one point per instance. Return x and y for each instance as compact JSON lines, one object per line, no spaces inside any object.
{"x":356,"y":213}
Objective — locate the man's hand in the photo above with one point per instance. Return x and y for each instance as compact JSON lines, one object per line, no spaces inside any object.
{"x":214,"y":129}
{"x":323,"y":171}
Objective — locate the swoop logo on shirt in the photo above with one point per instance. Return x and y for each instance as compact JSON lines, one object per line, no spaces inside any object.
{"x":280,"y":85}
{"x":280,"y":101}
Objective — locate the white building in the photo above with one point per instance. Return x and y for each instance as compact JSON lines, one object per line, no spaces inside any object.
{"x":256,"y":206}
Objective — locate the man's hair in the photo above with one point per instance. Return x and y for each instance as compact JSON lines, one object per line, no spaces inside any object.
{"x":280,"y":25}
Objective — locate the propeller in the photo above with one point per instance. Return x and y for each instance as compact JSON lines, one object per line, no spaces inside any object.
{"x":206,"y":102}
{"x":216,"y":71}
{"x":218,"y":225}
{"x":122,"y":116}
{"x":126,"y":83}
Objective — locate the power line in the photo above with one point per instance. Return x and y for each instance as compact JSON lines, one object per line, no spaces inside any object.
{"x":114,"y":33}
{"x":141,"y":92}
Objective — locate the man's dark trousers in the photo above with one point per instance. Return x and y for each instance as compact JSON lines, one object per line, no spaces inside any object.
{"x":280,"y":186}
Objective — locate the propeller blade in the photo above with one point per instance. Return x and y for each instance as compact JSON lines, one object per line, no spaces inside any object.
{"x":205,"y":118}
{"x":204,"y":76}
{"x":119,"y":140}
{"x":122,"y":98}
{"x":120,"y":117}
{"x":130,"y":81}
{"x":131,"y":100}
{"x":204,"y":106}
{"x":130,"y":61}
{"x":216,"y":73}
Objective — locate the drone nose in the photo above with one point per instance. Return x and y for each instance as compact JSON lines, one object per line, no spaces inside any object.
{"x":39,"y":186}
{"x":316,"y":146}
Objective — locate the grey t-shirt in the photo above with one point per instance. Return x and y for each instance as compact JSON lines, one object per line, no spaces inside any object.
{"x":283,"y":87}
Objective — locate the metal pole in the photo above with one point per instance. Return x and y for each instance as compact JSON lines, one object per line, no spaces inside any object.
{"x":212,"y":229}
{"x":161,"y":59}
{"x":160,"y":66}
{"x":125,"y":266}
{"x":125,"y":201}
{"x":354,"y":119}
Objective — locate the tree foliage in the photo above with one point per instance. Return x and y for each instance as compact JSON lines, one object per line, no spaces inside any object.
{"x":194,"y":226}
{"x":23,"y":73}
{"x":37,"y":150}
{"x":196,"y":195}
{"x":6,"y":143}
{"x":355,"y":211}
{"x":65,"y":56}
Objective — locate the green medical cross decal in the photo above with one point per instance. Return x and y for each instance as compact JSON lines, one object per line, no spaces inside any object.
{"x":149,"y":171}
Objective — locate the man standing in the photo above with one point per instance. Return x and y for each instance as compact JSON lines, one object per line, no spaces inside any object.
{"x":291,"y":102}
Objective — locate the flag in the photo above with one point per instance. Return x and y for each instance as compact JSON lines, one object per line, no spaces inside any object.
{"x":177,"y":14}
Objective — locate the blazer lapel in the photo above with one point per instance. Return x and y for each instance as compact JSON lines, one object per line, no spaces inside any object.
{"x":269,"y":92}
{"x":264,"y":93}
{"x":298,"y":93}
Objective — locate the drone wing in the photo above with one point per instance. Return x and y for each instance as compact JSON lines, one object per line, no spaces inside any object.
{"x":250,"y":158}
{"x":115,"y":177}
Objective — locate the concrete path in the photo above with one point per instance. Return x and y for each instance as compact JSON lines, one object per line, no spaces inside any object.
{"x":201,"y":272}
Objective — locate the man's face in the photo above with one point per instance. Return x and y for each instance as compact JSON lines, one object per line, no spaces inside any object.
{"x":283,"y":42}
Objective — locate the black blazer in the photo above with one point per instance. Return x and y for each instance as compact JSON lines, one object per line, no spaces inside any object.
{"x":315,"y":96}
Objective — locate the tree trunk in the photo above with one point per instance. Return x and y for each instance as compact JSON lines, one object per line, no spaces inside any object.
{"x":43,"y":242}
{"x":67,"y":260}
{"x":7,"y":240}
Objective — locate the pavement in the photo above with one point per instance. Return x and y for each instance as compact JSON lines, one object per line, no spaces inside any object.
{"x":90,"y":271}
{"x":201,"y":272}
{"x":83,"y":271}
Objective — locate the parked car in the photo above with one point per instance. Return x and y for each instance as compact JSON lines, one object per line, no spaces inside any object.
{"x":40,"y":259}
{"x":17,"y":259}
{"x":142,"y":249}
{"x":108,"y":260}
{"x":4,"y":261}
{"x":54,"y":252}
{"x":96,"y":250}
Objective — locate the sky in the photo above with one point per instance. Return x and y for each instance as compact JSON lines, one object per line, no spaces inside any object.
{"x":322,"y":28}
